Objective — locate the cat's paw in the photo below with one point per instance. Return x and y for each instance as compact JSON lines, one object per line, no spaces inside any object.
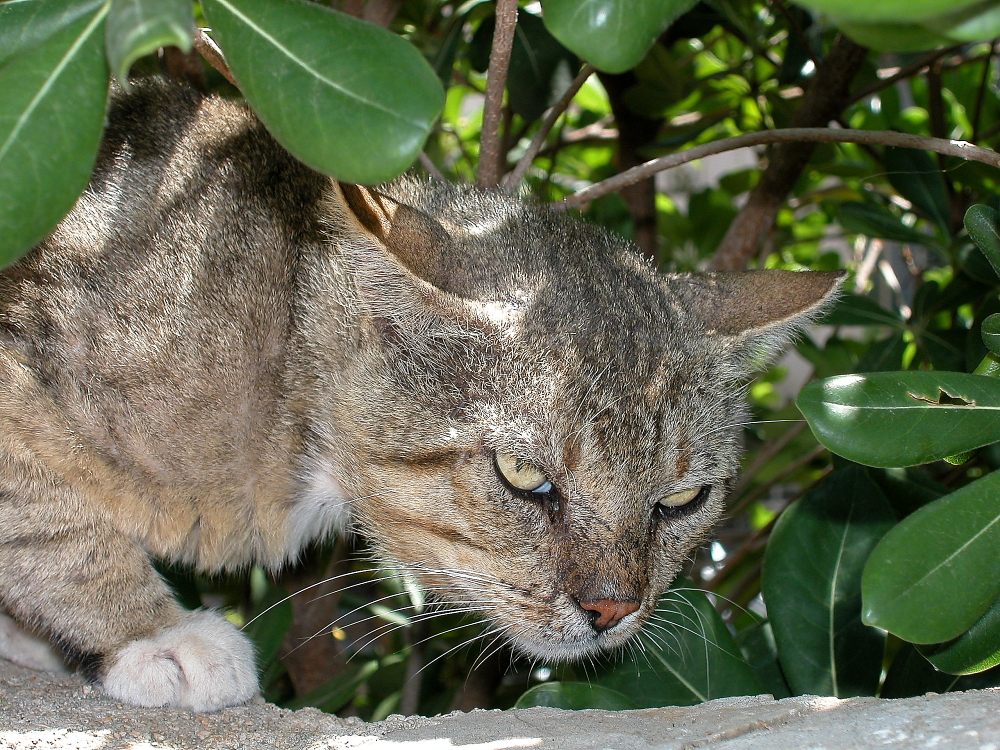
{"x":202,"y":664}
{"x":26,"y":650}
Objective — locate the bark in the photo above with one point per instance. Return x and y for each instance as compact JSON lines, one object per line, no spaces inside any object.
{"x":828,"y":94}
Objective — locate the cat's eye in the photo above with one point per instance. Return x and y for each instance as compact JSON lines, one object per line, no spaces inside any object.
{"x":683,"y":502}
{"x":520,"y":475}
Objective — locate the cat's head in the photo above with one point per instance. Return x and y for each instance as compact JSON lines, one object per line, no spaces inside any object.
{"x":541,"y":427}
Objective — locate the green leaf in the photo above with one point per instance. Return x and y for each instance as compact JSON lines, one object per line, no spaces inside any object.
{"x":612,"y":35}
{"x":27,"y":23}
{"x":875,"y":221}
{"x":51,"y":118}
{"x":138,"y":27}
{"x":574,"y":696}
{"x":687,"y":656}
{"x":338,"y":692}
{"x":346,"y":97}
{"x":893,"y":419}
{"x":938,"y":571}
{"x":761,"y":653}
{"x":812,"y":586}
{"x":858,"y":310}
{"x":892,"y":37}
{"x":991,"y":333}
{"x":886,"y":10}
{"x":886,"y":354}
{"x":983,"y":225}
{"x":976,"y":650}
{"x":916,"y":177}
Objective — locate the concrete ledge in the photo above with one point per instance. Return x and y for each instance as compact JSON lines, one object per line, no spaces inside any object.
{"x":41,"y":711}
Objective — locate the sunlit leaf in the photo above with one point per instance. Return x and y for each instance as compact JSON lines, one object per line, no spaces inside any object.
{"x":812,"y":586}
{"x":354,"y":101}
{"x":612,"y":35}
{"x":138,"y":27}
{"x":938,"y":571}
{"x":27,"y":23}
{"x":903,"y":418}
{"x":51,"y":118}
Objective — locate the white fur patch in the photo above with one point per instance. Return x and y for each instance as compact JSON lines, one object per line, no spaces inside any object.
{"x":321,"y":508}
{"x":202,"y":664}
{"x":26,"y":650}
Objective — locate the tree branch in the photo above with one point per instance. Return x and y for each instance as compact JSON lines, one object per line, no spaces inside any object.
{"x":208,"y":49}
{"x":961,"y":149}
{"x":512,"y":180}
{"x":825,"y":98}
{"x":490,"y":155}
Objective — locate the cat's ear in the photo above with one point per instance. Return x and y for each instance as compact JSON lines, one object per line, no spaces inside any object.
{"x":757,"y":313}
{"x":411,"y":274}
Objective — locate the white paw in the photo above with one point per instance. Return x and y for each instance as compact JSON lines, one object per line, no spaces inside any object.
{"x":22,"y":648}
{"x":202,"y":664}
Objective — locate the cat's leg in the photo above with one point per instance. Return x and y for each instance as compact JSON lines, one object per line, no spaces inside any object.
{"x":93,"y":592}
{"x":23,"y":648}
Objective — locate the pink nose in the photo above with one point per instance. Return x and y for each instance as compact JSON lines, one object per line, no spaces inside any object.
{"x":609,"y":612}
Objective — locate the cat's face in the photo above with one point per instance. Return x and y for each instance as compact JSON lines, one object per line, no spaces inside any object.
{"x":549,"y":427}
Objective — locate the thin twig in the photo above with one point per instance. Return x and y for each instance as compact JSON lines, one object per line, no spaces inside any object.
{"x":512,"y":180}
{"x":961,"y":149}
{"x":793,"y":467}
{"x":496,"y":80}
{"x":904,"y":72}
{"x":770,"y":449}
{"x":431,"y":167}
{"x":208,"y":49}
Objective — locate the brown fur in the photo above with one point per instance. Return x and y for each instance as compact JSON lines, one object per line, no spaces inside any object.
{"x":220,"y":353}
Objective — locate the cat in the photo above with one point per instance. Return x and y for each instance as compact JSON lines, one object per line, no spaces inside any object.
{"x":220,"y":357}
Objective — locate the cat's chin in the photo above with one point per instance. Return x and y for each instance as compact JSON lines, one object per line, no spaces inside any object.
{"x":558,"y":651}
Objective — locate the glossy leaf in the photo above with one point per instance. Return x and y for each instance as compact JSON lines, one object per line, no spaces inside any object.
{"x":983,"y":225}
{"x":886,"y":10}
{"x":27,"y":23}
{"x":991,"y":333}
{"x":138,"y":27}
{"x":938,"y":571}
{"x":893,"y":419}
{"x":612,"y":35}
{"x":51,"y":119}
{"x":918,"y":178}
{"x":268,"y":629}
{"x":976,"y":650}
{"x":812,"y":586}
{"x":911,"y":675}
{"x":355,"y":101}
{"x":574,"y":696}
{"x":875,"y":221}
{"x":688,"y":657}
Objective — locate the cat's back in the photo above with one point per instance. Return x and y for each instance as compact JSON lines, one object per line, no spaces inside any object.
{"x":148,"y":337}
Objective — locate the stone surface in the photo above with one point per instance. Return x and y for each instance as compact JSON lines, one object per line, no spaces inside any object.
{"x":38,"y":710}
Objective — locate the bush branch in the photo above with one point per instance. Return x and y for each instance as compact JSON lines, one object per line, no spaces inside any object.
{"x":512,"y":180}
{"x":961,"y":149}
{"x":490,"y":155}
{"x":208,"y":49}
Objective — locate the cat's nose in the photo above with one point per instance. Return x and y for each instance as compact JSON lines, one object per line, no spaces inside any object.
{"x":606,"y":613}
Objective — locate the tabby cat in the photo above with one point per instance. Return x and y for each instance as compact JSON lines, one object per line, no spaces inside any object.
{"x":220,"y":357}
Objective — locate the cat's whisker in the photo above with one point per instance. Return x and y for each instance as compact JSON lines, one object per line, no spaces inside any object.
{"x":304,"y":589}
